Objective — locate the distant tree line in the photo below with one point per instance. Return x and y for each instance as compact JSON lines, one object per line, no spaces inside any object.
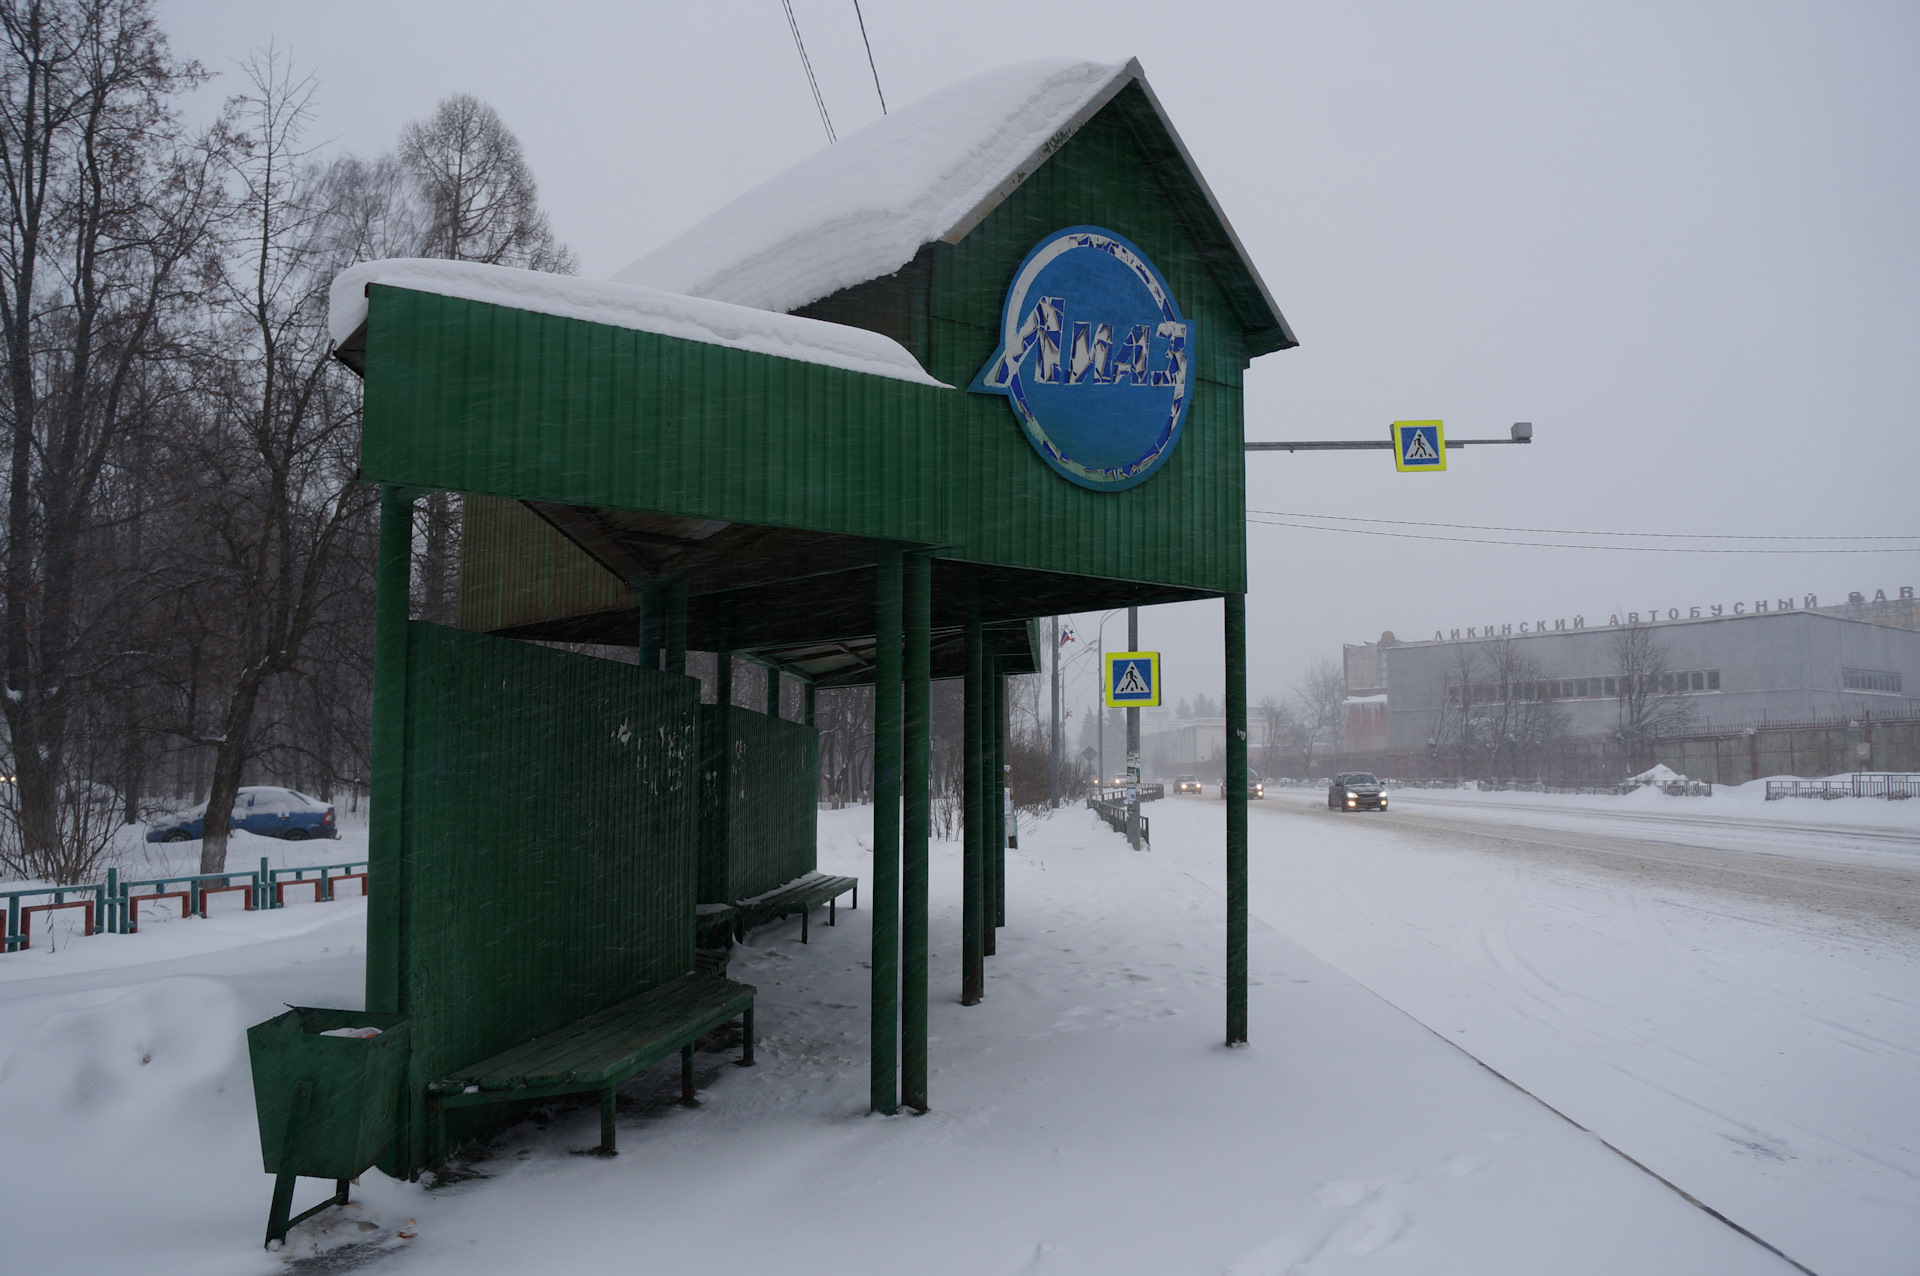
{"x":185,"y":590}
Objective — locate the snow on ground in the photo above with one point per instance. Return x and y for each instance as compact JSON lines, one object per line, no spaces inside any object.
{"x":1086,"y":1118}
{"x":1756,"y":1044}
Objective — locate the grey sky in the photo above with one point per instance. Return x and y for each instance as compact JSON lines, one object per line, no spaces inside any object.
{"x":1678,"y":238}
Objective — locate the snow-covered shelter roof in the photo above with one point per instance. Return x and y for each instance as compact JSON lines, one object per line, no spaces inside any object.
{"x":931,"y":172}
{"x":625,"y":306}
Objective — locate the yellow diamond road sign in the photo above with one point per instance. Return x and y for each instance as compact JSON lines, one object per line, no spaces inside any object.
{"x":1133,"y":679}
{"x":1419,"y":445}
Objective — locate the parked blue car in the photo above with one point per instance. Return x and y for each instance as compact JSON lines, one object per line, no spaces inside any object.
{"x":270,"y":812}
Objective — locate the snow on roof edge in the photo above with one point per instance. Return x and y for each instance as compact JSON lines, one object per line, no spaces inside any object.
{"x":630,"y":306}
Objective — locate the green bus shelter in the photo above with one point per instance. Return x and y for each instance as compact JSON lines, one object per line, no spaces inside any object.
{"x":976,"y":364}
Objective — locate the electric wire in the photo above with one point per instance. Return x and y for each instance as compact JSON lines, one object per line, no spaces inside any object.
{"x":793,"y":24}
{"x":870,"y":66}
{"x":1618,"y":549}
{"x":1564,"y":531}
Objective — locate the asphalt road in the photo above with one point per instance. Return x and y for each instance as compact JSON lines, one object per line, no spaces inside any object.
{"x":1842,"y":871}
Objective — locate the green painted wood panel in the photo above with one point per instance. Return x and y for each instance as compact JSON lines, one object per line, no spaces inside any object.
{"x":550,"y":845}
{"x":759,"y":813}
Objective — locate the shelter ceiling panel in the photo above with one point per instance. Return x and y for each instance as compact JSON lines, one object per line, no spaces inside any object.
{"x":474,"y":397}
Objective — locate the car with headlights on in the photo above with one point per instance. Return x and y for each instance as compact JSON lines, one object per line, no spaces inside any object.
{"x":1187,"y":784}
{"x":1256,"y":787}
{"x":1356,"y":791}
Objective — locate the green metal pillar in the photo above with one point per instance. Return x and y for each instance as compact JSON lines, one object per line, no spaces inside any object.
{"x":884,"y":1057}
{"x":1000,"y":800}
{"x":917,"y":824}
{"x":393,"y":586}
{"x":1236,"y":780}
{"x":773,"y":692}
{"x":675,"y":637}
{"x":973,"y":975}
{"x":989,"y":807}
{"x":806,"y":704}
{"x":652,"y":598}
{"x":723,"y":677}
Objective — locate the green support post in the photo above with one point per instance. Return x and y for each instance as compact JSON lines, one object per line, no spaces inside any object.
{"x":917,"y":757}
{"x":989,"y":806}
{"x":1236,"y":653}
{"x":973,"y":975}
{"x":386,"y":861}
{"x":884,"y":1057}
{"x":676,"y":626}
{"x":723,"y":677}
{"x":806,"y":703}
{"x":773,"y":692}
{"x":652,"y":597}
{"x":1000,"y":801}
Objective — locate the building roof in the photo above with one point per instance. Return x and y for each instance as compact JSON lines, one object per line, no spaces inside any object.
{"x":621,"y":306}
{"x":928,"y":173}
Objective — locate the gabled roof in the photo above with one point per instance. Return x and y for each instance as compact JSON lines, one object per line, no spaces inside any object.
{"x":931,"y":172}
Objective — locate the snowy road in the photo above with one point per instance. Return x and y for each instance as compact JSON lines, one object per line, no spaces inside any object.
{"x":1731,"y":997}
{"x":1840,"y":870}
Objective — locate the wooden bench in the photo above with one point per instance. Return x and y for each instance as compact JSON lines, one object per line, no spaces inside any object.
{"x":801,"y":895}
{"x":604,"y":1049}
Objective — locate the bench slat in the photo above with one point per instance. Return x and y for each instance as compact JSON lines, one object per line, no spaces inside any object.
{"x":594,"y":1050}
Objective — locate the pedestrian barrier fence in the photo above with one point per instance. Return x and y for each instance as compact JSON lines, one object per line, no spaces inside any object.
{"x":1115,"y":814}
{"x":113,"y":906}
{"x":1893,"y":786}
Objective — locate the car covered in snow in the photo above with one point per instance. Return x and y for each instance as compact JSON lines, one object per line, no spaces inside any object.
{"x":1356,"y":791}
{"x":1187,"y":784}
{"x":271,"y":812}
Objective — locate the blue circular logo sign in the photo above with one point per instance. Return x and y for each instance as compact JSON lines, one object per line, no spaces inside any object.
{"x":1093,"y":358}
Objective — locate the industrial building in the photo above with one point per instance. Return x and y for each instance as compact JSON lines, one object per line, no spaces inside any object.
{"x":1723,"y":670}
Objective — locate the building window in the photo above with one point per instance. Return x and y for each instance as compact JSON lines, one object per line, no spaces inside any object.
{"x":1871,"y":680}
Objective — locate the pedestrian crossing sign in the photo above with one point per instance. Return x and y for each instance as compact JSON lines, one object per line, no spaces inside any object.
{"x":1419,"y":445}
{"x":1133,"y":679}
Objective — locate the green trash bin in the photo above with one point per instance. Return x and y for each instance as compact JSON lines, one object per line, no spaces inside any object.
{"x":329,"y":1106}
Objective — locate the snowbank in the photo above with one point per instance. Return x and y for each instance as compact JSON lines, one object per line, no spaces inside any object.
{"x":862,"y":208}
{"x":622,"y":305}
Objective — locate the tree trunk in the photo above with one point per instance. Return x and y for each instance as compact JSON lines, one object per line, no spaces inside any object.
{"x":229,"y":756}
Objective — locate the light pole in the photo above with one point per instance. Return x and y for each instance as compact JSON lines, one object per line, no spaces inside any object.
{"x":1100,"y":661}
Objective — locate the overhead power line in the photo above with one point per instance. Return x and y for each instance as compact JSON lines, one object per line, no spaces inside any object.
{"x":1618,"y":549}
{"x":793,"y":25}
{"x":1563,"y":531}
{"x":870,"y":66}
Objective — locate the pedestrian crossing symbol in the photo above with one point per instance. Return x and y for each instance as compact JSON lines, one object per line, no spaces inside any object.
{"x":1133,"y":679}
{"x":1419,"y":445}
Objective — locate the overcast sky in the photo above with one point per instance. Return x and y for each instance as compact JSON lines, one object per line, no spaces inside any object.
{"x":1679,"y":238}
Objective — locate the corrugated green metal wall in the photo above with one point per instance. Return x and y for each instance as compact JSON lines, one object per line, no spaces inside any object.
{"x":1181,"y":527}
{"x":759,"y":815}
{"x":549,"y":843}
{"x":487,"y":399}
{"x":481,"y":398}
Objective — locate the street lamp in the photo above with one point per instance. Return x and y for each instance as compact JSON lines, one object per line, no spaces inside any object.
{"x":1100,"y":662}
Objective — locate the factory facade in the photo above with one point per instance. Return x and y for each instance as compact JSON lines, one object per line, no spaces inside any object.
{"x":1713,"y":670}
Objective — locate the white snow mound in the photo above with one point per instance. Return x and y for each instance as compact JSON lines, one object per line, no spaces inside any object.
{"x":626,"y":306}
{"x":862,"y":208}
{"x":1660,"y":773}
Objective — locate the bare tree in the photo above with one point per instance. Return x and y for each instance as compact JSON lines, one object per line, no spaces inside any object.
{"x":110,"y":208}
{"x":1650,"y":708}
{"x":480,"y":195}
{"x":278,"y":500}
{"x":1279,"y":732}
{"x":1319,"y":701}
